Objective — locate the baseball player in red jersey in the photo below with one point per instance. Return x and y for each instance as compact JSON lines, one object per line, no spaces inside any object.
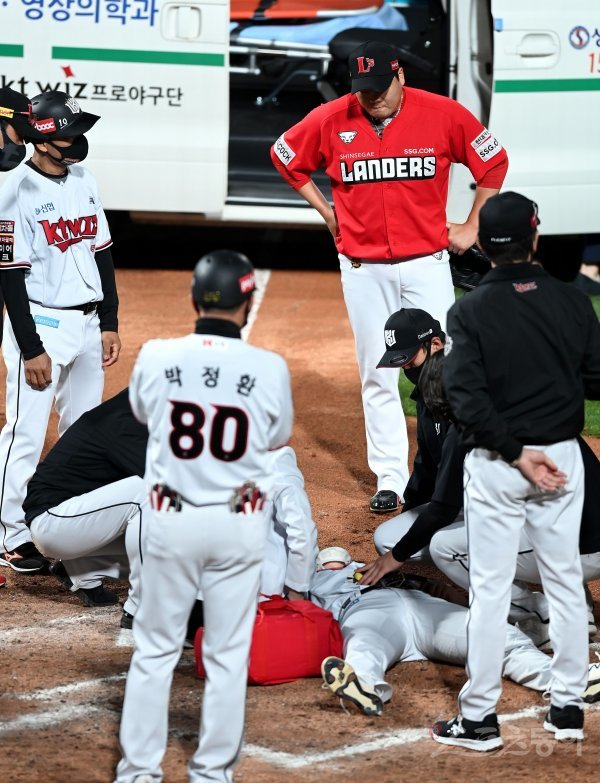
{"x":387,"y":149}
{"x":58,"y":279}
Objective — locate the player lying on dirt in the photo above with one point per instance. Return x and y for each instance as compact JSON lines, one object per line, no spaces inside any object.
{"x":384,"y":625}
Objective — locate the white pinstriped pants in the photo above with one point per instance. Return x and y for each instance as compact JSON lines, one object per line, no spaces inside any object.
{"x":373,"y":292}
{"x":499,"y":503}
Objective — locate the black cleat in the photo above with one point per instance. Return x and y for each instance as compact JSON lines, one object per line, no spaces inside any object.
{"x":126,"y":620}
{"x":25,"y":559}
{"x":482,"y":735}
{"x":566,"y":723}
{"x":384,"y":501}
{"x":91,"y":596}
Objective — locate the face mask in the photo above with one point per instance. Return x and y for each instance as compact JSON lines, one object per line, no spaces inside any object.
{"x":11,"y":154}
{"x":413,"y":374}
{"x":74,"y":153}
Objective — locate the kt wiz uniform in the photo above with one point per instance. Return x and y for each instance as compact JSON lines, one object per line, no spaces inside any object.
{"x":383,"y":626}
{"x":390,"y":195}
{"x":214,"y":407}
{"x":523,"y":350}
{"x":55,"y":226}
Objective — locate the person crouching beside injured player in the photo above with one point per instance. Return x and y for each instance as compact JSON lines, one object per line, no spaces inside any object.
{"x":59,"y":280}
{"x":87,"y":501}
{"x":433,"y":496}
{"x":382,"y":626}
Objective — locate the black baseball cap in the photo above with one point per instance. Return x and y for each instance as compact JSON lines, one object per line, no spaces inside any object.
{"x":507,"y":217}
{"x":405,"y":332}
{"x":372,"y":66}
{"x":15,"y":109}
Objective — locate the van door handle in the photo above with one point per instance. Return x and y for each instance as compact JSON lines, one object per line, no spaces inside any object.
{"x":189,"y":22}
{"x":538,"y":45}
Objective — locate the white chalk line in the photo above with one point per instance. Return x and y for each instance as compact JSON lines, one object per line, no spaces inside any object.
{"x":382,"y":742}
{"x":51,"y":694}
{"x":262,"y":281}
{"x":124,"y":638}
{"x":90,"y":618}
{"x":42,"y":720}
{"x":386,"y":741}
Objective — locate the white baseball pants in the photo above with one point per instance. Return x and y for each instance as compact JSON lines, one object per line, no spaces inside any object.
{"x":448,"y":551}
{"x":499,"y":504}
{"x":73,"y":342}
{"x":391,"y":625}
{"x":388,"y":534}
{"x":219,"y":552}
{"x":373,"y":292}
{"x":99,"y":534}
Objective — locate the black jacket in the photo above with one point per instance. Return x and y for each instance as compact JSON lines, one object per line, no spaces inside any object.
{"x":436,"y":480}
{"x":523,"y":351}
{"x":104,"y":445}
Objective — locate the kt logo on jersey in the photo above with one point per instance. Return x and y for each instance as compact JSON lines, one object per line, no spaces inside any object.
{"x":65,"y":233}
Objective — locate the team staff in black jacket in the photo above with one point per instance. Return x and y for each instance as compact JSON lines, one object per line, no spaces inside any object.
{"x":85,"y":503}
{"x":433,"y":495}
{"x":522,"y":352}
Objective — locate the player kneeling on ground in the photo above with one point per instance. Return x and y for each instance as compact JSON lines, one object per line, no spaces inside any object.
{"x":87,"y":502}
{"x":383,"y":625}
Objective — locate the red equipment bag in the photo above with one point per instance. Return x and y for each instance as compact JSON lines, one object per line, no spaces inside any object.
{"x":289,"y":641}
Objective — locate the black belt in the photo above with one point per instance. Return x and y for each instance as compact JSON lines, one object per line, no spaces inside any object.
{"x":86,"y":309}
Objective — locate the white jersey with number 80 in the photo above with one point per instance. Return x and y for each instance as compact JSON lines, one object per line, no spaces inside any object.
{"x":215,"y":406}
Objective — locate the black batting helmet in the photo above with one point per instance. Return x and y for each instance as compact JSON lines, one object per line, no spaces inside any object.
{"x":57,"y":115}
{"x":223,"y":279}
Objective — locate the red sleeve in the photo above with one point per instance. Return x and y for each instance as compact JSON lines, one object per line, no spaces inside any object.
{"x":477,"y":148}
{"x":297,"y":153}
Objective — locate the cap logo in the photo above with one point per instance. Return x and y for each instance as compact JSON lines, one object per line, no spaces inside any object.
{"x":45,"y":126}
{"x":72,"y":104}
{"x":390,"y":337}
{"x":365,"y":64}
{"x":395,"y":65}
{"x":6,"y":112}
{"x":247,"y":283}
{"x":347,"y":136}
{"x":423,"y":335}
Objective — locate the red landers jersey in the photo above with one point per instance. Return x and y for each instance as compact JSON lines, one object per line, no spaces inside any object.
{"x":390,"y":194}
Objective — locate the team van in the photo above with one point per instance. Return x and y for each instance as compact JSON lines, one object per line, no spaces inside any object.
{"x":192,"y":93}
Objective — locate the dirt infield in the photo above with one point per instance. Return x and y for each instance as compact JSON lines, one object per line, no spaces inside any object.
{"x":63,"y":666}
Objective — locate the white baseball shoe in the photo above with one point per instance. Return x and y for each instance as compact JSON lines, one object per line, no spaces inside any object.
{"x":341,"y":679}
{"x":592,"y":692}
